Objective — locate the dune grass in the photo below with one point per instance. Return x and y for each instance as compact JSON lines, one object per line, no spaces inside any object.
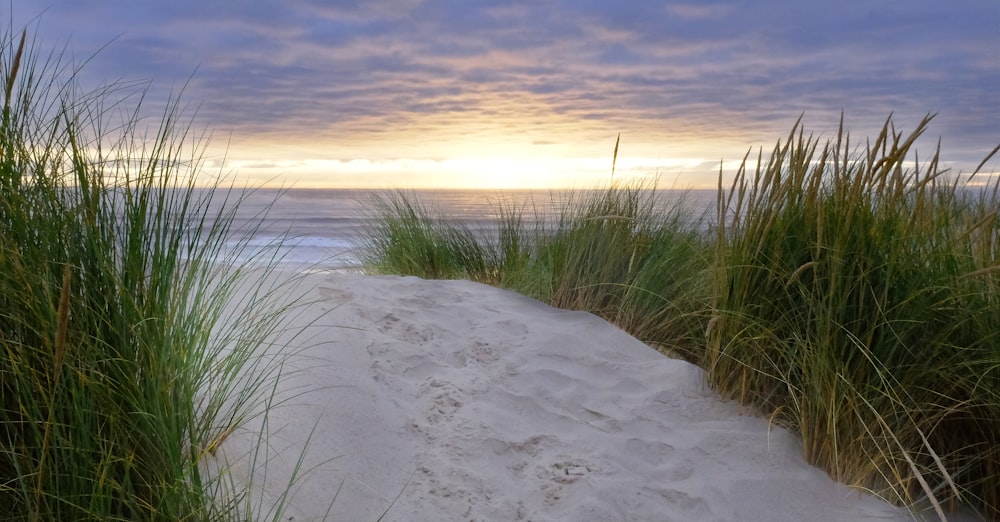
{"x":407,"y":238}
{"x":118,"y":377}
{"x":845,"y":292}
{"x":620,"y":252}
{"x":623,"y":254}
{"x":856,"y":301}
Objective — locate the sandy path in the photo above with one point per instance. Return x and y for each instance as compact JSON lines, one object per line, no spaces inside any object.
{"x":476,"y":404}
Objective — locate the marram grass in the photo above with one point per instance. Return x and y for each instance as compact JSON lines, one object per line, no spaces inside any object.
{"x":619,"y":252}
{"x":849,"y":293}
{"x":406,"y":238}
{"x":856,"y":301}
{"x":118,"y":376}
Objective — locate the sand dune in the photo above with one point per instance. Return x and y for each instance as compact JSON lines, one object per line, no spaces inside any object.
{"x":451,"y":400}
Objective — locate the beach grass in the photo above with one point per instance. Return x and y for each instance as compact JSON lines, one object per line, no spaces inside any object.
{"x":123,"y":365}
{"x":619,"y":252}
{"x":409,"y":239}
{"x":623,"y":254}
{"x":856,"y":302}
{"x":849,"y":293}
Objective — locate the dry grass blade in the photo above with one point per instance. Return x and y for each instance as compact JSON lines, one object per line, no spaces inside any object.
{"x":982,"y":272}
{"x":14,"y":66}
{"x":614,"y":156}
{"x":62,"y":314}
{"x":62,"y":322}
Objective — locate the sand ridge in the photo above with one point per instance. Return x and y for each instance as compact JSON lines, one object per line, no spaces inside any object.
{"x":452,"y":400}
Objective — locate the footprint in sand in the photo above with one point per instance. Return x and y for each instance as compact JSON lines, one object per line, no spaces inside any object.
{"x":392,"y":325}
{"x":560,"y":473}
{"x":445,"y":400}
{"x":689,"y":504}
{"x":569,"y":471}
{"x":483,"y":353}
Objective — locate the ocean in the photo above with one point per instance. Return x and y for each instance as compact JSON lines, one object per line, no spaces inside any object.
{"x":323,"y":229}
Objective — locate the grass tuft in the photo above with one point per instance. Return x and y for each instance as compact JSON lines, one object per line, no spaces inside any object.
{"x":855,"y":297}
{"x":116,"y":364}
{"x":620,"y":252}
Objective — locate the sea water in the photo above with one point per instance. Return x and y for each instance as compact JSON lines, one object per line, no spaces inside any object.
{"x":325,"y":229}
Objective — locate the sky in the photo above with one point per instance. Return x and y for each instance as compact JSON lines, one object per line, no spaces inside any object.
{"x":533,"y":93}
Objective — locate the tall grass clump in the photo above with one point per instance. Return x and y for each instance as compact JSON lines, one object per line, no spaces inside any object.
{"x":618,"y":252}
{"x":406,"y":238}
{"x":627,"y":256}
{"x":117,"y":380}
{"x":856,"y":301}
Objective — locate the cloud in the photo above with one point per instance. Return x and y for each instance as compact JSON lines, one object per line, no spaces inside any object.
{"x":422,"y":78}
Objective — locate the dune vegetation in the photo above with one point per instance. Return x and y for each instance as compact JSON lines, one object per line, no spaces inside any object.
{"x":122,"y":365}
{"x":849,"y":293}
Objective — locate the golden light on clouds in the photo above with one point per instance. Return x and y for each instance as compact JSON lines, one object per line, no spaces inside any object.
{"x":487,"y":169}
{"x":506,"y":146}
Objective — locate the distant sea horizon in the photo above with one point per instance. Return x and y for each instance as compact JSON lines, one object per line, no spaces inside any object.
{"x":324,"y":229}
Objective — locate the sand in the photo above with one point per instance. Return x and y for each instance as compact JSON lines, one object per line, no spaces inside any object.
{"x":452,"y":400}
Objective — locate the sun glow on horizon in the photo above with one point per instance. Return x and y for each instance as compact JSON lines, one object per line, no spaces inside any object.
{"x":469,"y":172}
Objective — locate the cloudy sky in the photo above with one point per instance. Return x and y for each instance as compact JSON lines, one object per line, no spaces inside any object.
{"x":517,"y":93}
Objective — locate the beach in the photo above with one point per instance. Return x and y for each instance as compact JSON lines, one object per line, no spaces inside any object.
{"x":416,"y":400}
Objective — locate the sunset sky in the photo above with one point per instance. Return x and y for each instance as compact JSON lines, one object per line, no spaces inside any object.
{"x":513,"y":93}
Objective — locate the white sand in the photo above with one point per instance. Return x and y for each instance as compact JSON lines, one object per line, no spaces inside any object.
{"x":476,"y":404}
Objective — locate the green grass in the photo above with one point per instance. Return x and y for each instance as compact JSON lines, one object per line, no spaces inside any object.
{"x":844,"y":292}
{"x":622,"y":254}
{"x":409,"y":240}
{"x":122,"y":364}
{"x":856,"y":301}
{"x":618,"y":252}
